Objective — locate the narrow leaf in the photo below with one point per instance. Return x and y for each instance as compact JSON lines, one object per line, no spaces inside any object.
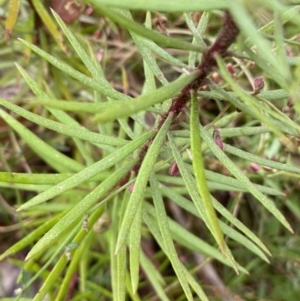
{"x":248,"y":29}
{"x":50,"y":24}
{"x":126,"y":108}
{"x":264,"y":162}
{"x":141,"y":183}
{"x":154,"y":276}
{"x":69,"y":130}
{"x":153,"y":5}
{"x":155,"y":232}
{"x":88,"y":172}
{"x":199,"y":172}
{"x":12,"y":16}
{"x":62,"y":262}
{"x":99,"y":86}
{"x":31,"y":237}
{"x":135,"y":249}
{"x":162,"y":220}
{"x":141,"y":30}
{"x":266,"y":202}
{"x":190,"y":207}
{"x":53,"y":157}
{"x":78,"y":211}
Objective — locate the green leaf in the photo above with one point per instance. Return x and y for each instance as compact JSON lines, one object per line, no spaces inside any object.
{"x":268,"y":28}
{"x":236,"y":185}
{"x":69,"y":130}
{"x":31,"y":237}
{"x":217,"y":181}
{"x":52,"y":277}
{"x":88,"y":172}
{"x":264,"y":162}
{"x":268,"y":95}
{"x":269,"y":71}
{"x":41,"y":178}
{"x":193,"y":192}
{"x":61,"y":116}
{"x":195,"y":285}
{"x":12,"y":16}
{"x":266,"y":202}
{"x":199,"y":172}
{"x":278,"y":125}
{"x":229,"y":132}
{"x":143,"y":47}
{"x":71,"y":106}
{"x":118,"y":262}
{"x":194,"y":243}
{"x":72,"y":268}
{"x":202,"y":25}
{"x":188,"y":206}
{"x":169,"y":248}
{"x":141,"y":30}
{"x":153,"y":5}
{"x":135,"y":249}
{"x":163,"y":53}
{"x":244,"y":241}
{"x":62,"y":262}
{"x":50,"y":24}
{"x":248,"y":29}
{"x":95,"y":69}
{"x":98,"y":85}
{"x":79,"y":210}
{"x":53,"y":157}
{"x":155,"y":278}
{"x":121,"y":272}
{"x":125,"y":108}
{"x":155,"y":232}
{"x":192,"y":189}
{"x":141,"y":183}
{"x":251,"y":102}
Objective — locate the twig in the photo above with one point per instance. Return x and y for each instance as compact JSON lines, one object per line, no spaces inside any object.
{"x":225,"y":38}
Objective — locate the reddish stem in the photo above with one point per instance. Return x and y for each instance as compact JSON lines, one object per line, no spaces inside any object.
{"x":225,"y":38}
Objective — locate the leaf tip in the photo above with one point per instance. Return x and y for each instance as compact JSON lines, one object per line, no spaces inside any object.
{"x":3,"y":256}
{"x":21,"y":208}
{"x":118,"y":247}
{"x":291,"y":229}
{"x":288,"y":226}
{"x":29,"y":256}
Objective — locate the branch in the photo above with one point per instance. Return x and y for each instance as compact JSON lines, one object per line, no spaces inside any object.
{"x":225,"y":38}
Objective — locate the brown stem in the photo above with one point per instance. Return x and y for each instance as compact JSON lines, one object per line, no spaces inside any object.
{"x":225,"y":38}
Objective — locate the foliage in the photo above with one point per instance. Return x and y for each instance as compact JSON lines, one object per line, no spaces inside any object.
{"x":125,"y":190}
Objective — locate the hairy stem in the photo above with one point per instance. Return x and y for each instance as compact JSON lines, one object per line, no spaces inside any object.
{"x":220,"y":47}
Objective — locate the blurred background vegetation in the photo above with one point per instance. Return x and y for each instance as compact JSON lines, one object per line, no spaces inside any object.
{"x":31,"y":81}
